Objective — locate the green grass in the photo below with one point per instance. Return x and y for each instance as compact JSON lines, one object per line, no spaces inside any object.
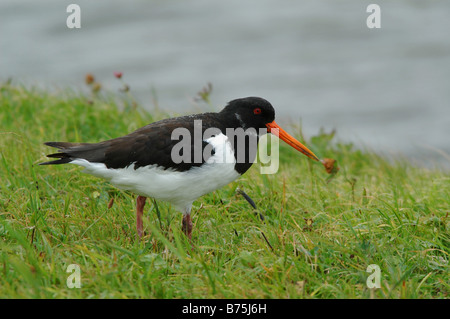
{"x":323,"y":235}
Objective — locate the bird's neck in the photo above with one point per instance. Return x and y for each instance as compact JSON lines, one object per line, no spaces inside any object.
{"x":231,"y":120}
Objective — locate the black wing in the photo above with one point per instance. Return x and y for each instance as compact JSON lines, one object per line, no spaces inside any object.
{"x":149,"y":145}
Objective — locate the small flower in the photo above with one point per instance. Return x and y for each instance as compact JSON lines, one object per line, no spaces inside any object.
{"x":125,"y":88}
{"x":118,"y":75}
{"x":89,"y":79}
{"x":330,"y":165}
{"x":309,"y":224}
{"x":96,"y":87}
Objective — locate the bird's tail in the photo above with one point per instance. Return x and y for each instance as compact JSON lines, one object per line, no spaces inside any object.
{"x":63,"y":157}
{"x":69,"y":151}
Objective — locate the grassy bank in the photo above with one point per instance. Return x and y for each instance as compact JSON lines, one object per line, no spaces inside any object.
{"x":321,"y":236}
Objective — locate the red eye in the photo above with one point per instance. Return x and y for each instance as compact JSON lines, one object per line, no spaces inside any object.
{"x":257,"y":111}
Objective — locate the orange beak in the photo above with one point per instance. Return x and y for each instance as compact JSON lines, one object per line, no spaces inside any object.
{"x":290,"y":140}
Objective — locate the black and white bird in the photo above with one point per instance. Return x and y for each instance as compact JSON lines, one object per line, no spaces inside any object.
{"x":147,"y":161}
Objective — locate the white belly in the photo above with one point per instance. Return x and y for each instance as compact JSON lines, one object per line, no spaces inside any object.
{"x":178,"y":188}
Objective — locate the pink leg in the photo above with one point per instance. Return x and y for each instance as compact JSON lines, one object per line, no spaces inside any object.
{"x":140,"y":203}
{"x":187,"y":226}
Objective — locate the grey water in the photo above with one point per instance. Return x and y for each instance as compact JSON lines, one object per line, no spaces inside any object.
{"x":316,"y":61}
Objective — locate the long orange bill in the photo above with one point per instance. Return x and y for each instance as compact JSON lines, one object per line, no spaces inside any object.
{"x":290,"y":140}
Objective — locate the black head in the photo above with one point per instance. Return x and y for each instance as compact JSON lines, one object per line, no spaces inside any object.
{"x":250,"y":112}
{"x":257,"y":113}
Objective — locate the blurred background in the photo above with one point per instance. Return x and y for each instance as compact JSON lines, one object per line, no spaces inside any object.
{"x":316,"y":61}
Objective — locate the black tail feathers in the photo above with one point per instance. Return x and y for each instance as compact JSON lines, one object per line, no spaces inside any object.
{"x":92,"y":152}
{"x":64,"y":158}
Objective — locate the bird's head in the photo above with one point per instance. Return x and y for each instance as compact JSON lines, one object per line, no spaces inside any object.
{"x":257,"y":113}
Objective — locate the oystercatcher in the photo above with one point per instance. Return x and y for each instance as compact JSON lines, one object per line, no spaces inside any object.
{"x":152,"y":162}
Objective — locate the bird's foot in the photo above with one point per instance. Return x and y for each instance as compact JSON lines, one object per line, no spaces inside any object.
{"x":140,"y":203}
{"x":187,"y":227}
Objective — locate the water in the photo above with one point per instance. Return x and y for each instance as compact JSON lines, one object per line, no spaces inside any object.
{"x":316,"y":61}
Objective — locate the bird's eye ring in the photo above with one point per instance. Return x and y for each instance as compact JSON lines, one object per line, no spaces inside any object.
{"x":257,"y":111}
